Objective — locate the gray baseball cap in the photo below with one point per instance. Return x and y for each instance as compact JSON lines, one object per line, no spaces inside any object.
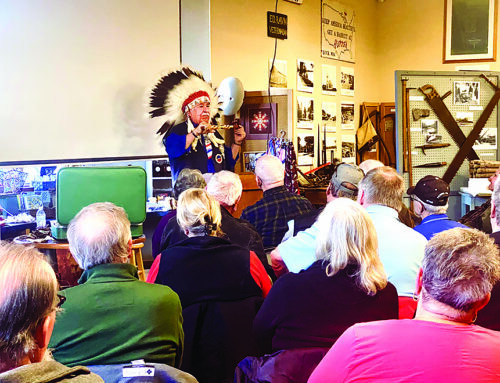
{"x":346,"y":177}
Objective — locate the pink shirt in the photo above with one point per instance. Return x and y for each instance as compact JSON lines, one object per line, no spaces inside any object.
{"x":412,"y":351}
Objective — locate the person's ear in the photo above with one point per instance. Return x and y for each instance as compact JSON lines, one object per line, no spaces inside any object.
{"x":418,"y":282}
{"x":483,"y":302}
{"x":361,"y":197}
{"x":129,"y":248}
{"x":42,"y":337}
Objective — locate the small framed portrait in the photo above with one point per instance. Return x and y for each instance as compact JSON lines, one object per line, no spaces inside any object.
{"x":259,"y":120}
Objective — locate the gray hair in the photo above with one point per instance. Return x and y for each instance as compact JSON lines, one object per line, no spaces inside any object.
{"x":198,"y":212}
{"x":368,"y":165}
{"x":187,"y":179}
{"x":99,"y":234}
{"x":269,"y":169}
{"x":383,"y":186}
{"x":28,"y":294}
{"x":460,"y":267}
{"x":225,"y":187}
{"x":347,"y":236}
{"x":495,"y":199}
{"x":431,"y":208}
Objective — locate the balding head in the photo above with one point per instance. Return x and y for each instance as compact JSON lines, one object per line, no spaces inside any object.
{"x":28,"y":295}
{"x":270,"y":171}
{"x":225,"y":187}
{"x":99,"y":234}
{"x":382,"y":186}
{"x":368,"y":165}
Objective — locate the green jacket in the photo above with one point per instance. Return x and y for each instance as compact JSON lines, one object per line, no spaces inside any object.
{"x":49,"y":372}
{"x":111,"y":317}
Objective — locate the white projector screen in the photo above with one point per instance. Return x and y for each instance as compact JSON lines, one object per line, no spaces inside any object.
{"x":75,"y":77}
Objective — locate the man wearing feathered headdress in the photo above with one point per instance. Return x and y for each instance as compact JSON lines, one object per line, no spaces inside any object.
{"x":189,"y":104}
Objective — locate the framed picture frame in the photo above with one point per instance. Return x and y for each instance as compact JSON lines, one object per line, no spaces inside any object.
{"x":470,"y":31}
{"x":259,"y":120}
{"x":249,"y":160}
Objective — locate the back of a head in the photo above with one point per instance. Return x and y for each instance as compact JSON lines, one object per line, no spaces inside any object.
{"x":28,"y":294}
{"x":383,"y":186}
{"x":99,"y":234}
{"x":198,"y":212}
{"x":460,"y":267}
{"x":187,"y":179}
{"x":345,"y":180}
{"x":270,"y":170}
{"x":368,"y":165}
{"x":347,"y":236}
{"x":225,"y":187}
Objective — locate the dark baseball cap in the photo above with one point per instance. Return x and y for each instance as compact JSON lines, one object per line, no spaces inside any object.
{"x":432,"y":190}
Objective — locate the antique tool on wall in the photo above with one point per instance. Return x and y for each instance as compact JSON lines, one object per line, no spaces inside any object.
{"x":431,"y":146}
{"x":420,"y":113}
{"x":432,"y":165}
{"x":444,"y":115}
{"x":474,"y":134}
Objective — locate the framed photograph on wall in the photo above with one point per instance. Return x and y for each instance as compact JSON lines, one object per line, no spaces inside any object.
{"x":470,"y":30}
{"x":259,"y":120}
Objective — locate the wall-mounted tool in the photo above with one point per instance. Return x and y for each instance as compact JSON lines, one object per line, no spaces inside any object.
{"x":432,"y":165}
{"x":431,"y":146}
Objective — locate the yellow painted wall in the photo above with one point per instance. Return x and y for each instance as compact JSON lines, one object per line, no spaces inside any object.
{"x":241,"y":48}
{"x":410,"y":37}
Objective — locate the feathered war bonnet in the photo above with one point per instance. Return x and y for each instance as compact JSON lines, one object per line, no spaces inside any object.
{"x":177,"y":92}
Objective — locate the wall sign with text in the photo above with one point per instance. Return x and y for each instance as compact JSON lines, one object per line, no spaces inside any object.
{"x":277,"y":24}
{"x":338,"y":31}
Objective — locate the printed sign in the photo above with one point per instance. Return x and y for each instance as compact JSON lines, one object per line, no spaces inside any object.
{"x":337,"y":31}
{"x":277,"y":24}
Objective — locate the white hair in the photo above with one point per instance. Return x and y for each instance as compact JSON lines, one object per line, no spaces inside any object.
{"x":269,"y":169}
{"x":99,"y":234}
{"x":368,"y":165}
{"x":225,"y":187}
{"x":431,"y":208}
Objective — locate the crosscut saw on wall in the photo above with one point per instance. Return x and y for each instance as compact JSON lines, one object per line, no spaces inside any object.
{"x":474,"y":134}
{"x":442,"y":112}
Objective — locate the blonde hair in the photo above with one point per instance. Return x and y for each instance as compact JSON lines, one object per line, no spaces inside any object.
{"x":383,"y":186}
{"x":28,"y":294}
{"x":199,"y":212}
{"x":347,"y":236}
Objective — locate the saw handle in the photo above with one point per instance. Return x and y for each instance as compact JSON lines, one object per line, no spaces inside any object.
{"x":429,"y":91}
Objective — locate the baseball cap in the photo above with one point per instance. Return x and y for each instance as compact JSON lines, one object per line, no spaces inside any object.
{"x":432,"y":190}
{"x":345,"y":174}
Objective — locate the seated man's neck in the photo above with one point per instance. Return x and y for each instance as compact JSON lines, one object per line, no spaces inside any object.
{"x":272,"y":185}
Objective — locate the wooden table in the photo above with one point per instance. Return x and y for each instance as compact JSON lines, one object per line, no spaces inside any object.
{"x":67,"y":270}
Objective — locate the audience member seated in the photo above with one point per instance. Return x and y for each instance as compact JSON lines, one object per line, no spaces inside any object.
{"x":28,"y":305}
{"x":346,"y":285}
{"x":221,"y":286}
{"x":401,"y":249}
{"x":171,"y":233}
{"x":298,"y":253}
{"x":489,"y":316}
{"x":112,"y":317}
{"x":226,"y":188}
{"x":344,"y":183}
{"x":271,"y":214}
{"x":479,"y":218}
{"x":205,"y":266}
{"x":406,"y":216}
{"x":441,"y":344}
{"x":430,"y":202}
